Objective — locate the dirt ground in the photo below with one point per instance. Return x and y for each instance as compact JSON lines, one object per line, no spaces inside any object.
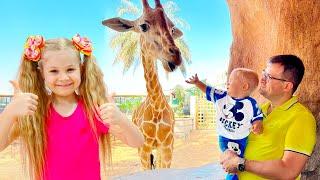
{"x":198,"y":149}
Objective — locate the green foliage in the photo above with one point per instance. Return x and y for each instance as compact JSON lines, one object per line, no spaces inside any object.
{"x":179,"y":100}
{"x":129,"y":104}
{"x":193,"y":91}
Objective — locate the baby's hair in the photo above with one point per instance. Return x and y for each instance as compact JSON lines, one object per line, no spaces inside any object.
{"x":249,"y":76}
{"x":31,"y":129}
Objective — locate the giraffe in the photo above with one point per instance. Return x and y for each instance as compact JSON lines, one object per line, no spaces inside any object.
{"x":154,"y":116}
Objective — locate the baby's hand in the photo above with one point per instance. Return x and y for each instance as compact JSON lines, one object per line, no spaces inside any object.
{"x":193,"y":80}
{"x":110,"y":113}
{"x":22,"y":103}
{"x":257,"y":127}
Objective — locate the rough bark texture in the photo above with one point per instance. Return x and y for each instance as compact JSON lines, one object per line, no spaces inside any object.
{"x":262,"y":29}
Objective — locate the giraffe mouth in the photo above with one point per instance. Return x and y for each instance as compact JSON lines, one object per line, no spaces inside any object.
{"x":168,"y":66}
{"x":172,"y":66}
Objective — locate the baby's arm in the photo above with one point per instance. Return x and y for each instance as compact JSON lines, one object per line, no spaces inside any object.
{"x":22,"y":104}
{"x":257,"y":124}
{"x":257,"y":127}
{"x":119,"y":125}
{"x":195,"y":80}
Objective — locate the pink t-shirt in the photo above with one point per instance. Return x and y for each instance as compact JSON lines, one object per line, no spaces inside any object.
{"x":72,"y":147}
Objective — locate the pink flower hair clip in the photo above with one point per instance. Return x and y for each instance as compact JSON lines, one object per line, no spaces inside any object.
{"x":32,"y":48}
{"x":83,"y":44}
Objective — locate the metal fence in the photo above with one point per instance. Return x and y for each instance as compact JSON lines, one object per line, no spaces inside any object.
{"x":4,"y":101}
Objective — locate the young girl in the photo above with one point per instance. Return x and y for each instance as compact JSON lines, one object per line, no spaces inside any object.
{"x":61,"y":111}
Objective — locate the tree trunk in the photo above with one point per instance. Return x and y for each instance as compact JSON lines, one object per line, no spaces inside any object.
{"x":262,"y":29}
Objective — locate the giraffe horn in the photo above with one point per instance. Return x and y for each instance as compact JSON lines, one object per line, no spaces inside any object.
{"x":145,"y":4}
{"x":158,"y":4}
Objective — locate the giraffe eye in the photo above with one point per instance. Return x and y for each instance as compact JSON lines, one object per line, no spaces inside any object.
{"x":144,"y":27}
{"x":173,"y":30}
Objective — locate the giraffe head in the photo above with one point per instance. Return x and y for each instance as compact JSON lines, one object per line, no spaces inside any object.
{"x":157,"y":34}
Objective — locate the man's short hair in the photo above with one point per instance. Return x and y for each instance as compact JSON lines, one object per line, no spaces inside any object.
{"x":293,"y":68}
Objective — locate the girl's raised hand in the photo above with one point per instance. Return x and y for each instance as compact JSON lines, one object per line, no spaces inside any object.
{"x":22,"y":103}
{"x":110,"y":113}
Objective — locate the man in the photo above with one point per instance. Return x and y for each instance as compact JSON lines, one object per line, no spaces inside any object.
{"x":289,"y":136}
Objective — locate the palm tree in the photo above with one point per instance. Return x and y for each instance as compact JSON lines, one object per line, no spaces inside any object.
{"x":126,"y":44}
{"x":179,"y":95}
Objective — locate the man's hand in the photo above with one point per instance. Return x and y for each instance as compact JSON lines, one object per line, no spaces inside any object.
{"x":257,"y":127}
{"x":229,"y":161}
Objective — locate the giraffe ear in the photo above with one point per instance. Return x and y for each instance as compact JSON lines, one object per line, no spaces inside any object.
{"x":119,"y":24}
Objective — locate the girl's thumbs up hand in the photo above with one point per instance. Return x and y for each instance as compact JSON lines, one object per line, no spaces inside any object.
{"x":22,"y":103}
{"x":110,"y":113}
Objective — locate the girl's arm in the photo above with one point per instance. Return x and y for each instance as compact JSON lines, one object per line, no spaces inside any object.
{"x":6,"y":125}
{"x":127,"y":132}
{"x":120,"y":126}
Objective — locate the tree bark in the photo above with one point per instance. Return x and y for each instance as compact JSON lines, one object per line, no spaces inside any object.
{"x":262,"y":29}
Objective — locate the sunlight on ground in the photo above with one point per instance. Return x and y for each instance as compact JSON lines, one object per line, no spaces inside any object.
{"x":198,"y":149}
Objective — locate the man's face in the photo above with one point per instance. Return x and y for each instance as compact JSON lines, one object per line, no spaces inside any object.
{"x":272,"y":81}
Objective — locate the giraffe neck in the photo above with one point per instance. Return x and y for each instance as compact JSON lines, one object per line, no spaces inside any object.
{"x":154,"y":89}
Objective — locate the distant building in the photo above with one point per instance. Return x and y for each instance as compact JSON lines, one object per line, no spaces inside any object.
{"x":4,"y":101}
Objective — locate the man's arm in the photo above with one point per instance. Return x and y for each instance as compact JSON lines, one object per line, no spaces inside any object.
{"x":292,"y":164}
{"x":289,"y":167}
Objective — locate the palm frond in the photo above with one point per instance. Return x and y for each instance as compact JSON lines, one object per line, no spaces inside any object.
{"x":171,"y":9}
{"x":184,"y":49}
{"x":136,"y":62}
{"x":127,"y":7}
{"x":183,"y":69}
{"x":128,"y":54}
{"x":127,"y":48}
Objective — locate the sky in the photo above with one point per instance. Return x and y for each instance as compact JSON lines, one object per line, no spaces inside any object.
{"x":209,"y":38}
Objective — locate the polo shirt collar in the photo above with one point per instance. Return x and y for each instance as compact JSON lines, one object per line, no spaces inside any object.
{"x":293,"y":100}
{"x":289,"y":103}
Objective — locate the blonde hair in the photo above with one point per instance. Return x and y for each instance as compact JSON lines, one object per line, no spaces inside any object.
{"x":249,"y":76}
{"x":31,"y":129}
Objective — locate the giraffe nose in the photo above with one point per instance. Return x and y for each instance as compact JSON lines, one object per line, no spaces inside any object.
{"x":174,"y":51}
